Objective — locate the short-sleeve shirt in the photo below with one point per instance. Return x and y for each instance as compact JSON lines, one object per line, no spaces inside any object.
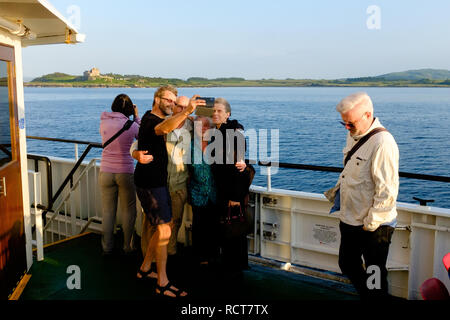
{"x":153,"y":174}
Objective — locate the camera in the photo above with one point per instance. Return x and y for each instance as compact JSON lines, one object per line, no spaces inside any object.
{"x":206,"y":111}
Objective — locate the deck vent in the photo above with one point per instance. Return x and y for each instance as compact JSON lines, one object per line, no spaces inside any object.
{"x":269,"y":201}
{"x":269,"y":235}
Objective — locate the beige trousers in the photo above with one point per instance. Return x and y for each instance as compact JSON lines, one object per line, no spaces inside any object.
{"x":178,"y":198}
{"x":114,"y":186}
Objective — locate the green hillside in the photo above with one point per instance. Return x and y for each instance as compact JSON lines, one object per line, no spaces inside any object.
{"x":411,"y":78}
{"x":431,"y":74}
{"x":410,"y":75}
{"x":56,"y":77}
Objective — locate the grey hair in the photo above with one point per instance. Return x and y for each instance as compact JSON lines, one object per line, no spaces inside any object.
{"x":355,"y":100}
{"x":225,"y":103}
{"x":207,"y":118}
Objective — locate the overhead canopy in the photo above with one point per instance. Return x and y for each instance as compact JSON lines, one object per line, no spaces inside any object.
{"x":40,"y":21}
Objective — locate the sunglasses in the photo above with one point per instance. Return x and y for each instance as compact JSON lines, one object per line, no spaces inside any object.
{"x":169,"y":100}
{"x":351,"y":124}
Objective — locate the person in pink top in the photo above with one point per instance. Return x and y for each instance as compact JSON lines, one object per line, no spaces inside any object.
{"x":116,"y":172}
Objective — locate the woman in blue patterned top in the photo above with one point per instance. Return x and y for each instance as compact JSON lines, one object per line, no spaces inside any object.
{"x":202,"y":194}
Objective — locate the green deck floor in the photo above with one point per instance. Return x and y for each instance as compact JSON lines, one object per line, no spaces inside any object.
{"x":114,"y":278}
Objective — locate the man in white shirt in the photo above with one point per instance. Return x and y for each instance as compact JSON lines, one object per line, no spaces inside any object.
{"x":365,"y":197}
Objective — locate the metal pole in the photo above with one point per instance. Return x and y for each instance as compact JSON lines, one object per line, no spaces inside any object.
{"x":76,"y":151}
{"x":38,"y":216}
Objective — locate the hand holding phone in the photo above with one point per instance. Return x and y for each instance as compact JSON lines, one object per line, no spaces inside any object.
{"x":194,"y":103}
{"x":206,"y":110}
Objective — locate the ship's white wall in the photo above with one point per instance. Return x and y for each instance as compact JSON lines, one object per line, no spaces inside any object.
{"x":305,"y":233}
{"x":8,"y":39}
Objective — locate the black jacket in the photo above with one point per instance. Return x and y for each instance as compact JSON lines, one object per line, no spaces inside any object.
{"x":231,"y":184}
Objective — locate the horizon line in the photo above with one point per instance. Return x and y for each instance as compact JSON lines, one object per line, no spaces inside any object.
{"x":261,"y":79}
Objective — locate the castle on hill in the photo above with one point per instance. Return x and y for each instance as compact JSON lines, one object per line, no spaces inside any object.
{"x":94,"y":74}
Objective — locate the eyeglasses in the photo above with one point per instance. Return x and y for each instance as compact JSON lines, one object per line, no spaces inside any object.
{"x":169,"y":100}
{"x":351,"y":124}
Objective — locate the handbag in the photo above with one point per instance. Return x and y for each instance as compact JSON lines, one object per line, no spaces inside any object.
{"x":238,"y":221}
{"x":234,"y":223}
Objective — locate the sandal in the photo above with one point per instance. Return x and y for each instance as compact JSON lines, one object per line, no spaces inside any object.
{"x":167,"y":287}
{"x":145,"y":275}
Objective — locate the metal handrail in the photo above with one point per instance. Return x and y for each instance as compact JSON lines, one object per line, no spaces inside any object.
{"x":69,"y":177}
{"x":286,"y":165}
{"x":94,"y":144}
{"x":90,"y":165}
{"x":338,"y":169}
{"x":3,"y":147}
{"x":48,"y":163}
{"x":269,"y":164}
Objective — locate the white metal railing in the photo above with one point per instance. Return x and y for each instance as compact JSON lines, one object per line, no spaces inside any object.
{"x":36,"y":212}
{"x":290,"y":226}
{"x":77,"y":210}
{"x":74,"y":211}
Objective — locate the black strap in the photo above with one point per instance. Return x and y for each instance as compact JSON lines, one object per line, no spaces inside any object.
{"x":125,"y":127}
{"x":361,"y":142}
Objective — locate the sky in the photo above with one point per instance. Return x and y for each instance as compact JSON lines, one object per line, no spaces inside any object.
{"x":252,"y":39}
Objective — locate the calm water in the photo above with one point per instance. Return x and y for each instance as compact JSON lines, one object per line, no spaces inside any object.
{"x":309,"y":132}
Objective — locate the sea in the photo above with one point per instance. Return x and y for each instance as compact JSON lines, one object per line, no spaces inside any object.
{"x":292,"y":125}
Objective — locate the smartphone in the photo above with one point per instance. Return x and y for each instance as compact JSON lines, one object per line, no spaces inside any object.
{"x":207,"y":110}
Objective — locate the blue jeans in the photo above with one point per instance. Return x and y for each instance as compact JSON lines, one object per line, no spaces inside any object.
{"x":374,"y":247}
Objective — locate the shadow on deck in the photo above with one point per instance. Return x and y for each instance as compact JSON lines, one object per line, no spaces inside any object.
{"x":114,"y":278}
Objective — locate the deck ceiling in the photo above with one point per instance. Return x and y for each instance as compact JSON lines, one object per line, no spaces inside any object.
{"x":41,"y":18}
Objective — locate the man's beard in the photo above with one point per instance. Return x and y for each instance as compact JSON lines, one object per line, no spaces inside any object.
{"x":167,"y":111}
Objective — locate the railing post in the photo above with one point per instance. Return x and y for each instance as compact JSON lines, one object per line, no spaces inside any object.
{"x":73,"y":214}
{"x":269,"y":179}
{"x":255,"y":226}
{"x":38,"y":216}
{"x":261,"y":226}
{"x":76,"y":151}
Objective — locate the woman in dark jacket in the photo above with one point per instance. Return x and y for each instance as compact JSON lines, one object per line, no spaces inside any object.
{"x":232,"y":181}
{"x":202,"y":195}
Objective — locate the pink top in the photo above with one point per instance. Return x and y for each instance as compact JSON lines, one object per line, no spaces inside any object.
{"x":116,"y":156}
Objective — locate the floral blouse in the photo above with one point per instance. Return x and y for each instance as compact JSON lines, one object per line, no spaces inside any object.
{"x":201,"y":184}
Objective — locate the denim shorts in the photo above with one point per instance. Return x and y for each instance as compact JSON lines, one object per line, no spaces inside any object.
{"x":156,"y":204}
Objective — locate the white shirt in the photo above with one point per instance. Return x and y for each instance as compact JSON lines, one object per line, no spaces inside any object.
{"x":369,"y":182}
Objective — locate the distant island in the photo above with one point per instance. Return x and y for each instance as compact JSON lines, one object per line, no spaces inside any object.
{"x":93,"y":78}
